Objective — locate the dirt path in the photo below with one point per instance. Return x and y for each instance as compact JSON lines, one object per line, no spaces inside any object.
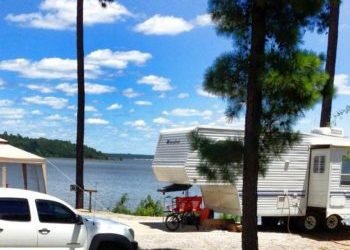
{"x":151,"y":234}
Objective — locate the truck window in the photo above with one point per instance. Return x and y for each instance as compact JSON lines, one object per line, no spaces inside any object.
{"x":345,"y":171}
{"x":54,"y":212}
{"x":14,"y":209}
{"x":319,"y":163}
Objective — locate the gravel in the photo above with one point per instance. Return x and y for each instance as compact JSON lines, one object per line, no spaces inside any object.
{"x":151,"y":234}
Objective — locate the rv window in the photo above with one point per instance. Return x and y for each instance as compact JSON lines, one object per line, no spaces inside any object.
{"x":319,"y":164}
{"x":345,"y":171}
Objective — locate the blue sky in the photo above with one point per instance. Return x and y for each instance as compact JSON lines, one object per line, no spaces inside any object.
{"x":145,"y":62}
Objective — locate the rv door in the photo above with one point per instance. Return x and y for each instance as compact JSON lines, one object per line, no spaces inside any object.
{"x":319,"y":178}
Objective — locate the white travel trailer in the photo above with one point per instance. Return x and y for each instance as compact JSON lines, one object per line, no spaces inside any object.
{"x":310,"y":182}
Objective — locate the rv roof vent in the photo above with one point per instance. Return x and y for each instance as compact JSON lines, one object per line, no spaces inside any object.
{"x":329,"y":131}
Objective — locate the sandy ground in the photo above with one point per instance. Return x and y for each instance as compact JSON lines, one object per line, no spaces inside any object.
{"x":151,"y":233}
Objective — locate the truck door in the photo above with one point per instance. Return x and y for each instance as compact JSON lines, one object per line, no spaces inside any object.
{"x":16,"y":225}
{"x":57,"y":227}
{"x":319,"y":178}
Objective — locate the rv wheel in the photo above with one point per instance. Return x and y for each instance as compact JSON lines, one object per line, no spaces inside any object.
{"x":332,"y":222}
{"x":310,"y":222}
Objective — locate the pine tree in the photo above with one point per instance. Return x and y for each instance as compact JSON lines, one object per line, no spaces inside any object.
{"x":269,"y":78}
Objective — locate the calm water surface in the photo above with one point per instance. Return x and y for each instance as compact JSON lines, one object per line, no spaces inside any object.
{"x":110,"y":178}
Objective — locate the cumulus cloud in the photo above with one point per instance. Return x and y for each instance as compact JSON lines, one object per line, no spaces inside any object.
{"x":64,"y":68}
{"x":61,"y":14}
{"x":183,"y":95}
{"x":171,"y":25}
{"x":7,"y":113}
{"x":204,"y":93}
{"x":57,"y":117}
{"x":5,"y":102}
{"x":143,"y":103}
{"x":36,"y":112}
{"x":51,"y":101}
{"x":89,"y":108}
{"x":158,"y":83}
{"x":41,"y":88}
{"x":189,"y":112}
{"x":114,"y":106}
{"x":97,"y":121}
{"x":90,"y":88}
{"x":341,"y":82}
{"x":163,"y":25}
{"x":130,"y":93}
{"x":161,"y":121}
{"x":138,"y":124}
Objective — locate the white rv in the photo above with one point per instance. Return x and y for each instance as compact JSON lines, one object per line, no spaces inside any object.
{"x":310,"y":182}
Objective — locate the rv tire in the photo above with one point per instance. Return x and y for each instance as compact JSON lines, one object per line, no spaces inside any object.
{"x":269,"y":222}
{"x":310,"y":222}
{"x":332,"y":223}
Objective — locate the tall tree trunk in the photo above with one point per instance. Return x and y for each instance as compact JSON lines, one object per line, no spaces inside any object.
{"x":330,"y":63}
{"x":252,"y":128}
{"x":79,"y":201}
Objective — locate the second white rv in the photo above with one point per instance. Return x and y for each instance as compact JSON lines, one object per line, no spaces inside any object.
{"x":310,"y":182}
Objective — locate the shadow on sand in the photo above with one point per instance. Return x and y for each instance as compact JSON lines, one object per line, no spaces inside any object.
{"x":181,"y":229}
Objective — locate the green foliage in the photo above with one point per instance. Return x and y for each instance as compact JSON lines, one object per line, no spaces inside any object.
{"x":121,"y":205}
{"x":50,"y":148}
{"x":230,"y":217}
{"x":340,"y":114}
{"x":146,"y":207}
{"x":149,"y":207}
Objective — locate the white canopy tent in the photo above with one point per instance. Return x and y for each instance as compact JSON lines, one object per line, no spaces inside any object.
{"x":11,"y":156}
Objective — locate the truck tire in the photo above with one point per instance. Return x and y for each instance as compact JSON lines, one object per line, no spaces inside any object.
{"x":122,"y":245}
{"x":332,"y":223}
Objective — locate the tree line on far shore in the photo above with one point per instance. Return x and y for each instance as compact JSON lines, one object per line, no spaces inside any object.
{"x":62,"y":149}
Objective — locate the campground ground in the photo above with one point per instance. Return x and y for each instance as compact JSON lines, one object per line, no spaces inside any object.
{"x":152,"y":234}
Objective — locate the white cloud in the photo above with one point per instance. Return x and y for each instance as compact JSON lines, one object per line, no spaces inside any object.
{"x":341,"y":82}
{"x":89,"y":108}
{"x":61,"y":14}
{"x":189,"y":112}
{"x":57,"y":117}
{"x":203,"y":20}
{"x":161,"y":121}
{"x":90,"y":88}
{"x":114,"y":106}
{"x":65,"y":68}
{"x":41,"y":88}
{"x":36,"y":112}
{"x":183,"y":95}
{"x":51,"y":101}
{"x":11,"y":113}
{"x":138,"y":124}
{"x":130,"y":93}
{"x":163,"y":25}
{"x":171,"y":25}
{"x":5,"y":102}
{"x":158,"y":83}
{"x":96,"y":121}
{"x":204,"y":93}
{"x":143,"y":103}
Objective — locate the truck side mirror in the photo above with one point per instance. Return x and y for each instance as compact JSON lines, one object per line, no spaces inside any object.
{"x":79,"y":220}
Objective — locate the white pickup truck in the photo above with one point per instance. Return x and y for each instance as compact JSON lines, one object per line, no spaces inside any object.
{"x":31,"y":220}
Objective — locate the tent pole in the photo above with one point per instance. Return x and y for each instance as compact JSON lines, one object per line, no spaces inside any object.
{"x":25,"y":176}
{"x":45,"y":177}
{"x":4,"y":176}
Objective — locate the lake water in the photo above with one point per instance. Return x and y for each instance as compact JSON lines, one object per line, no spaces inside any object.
{"x":111,"y":179}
